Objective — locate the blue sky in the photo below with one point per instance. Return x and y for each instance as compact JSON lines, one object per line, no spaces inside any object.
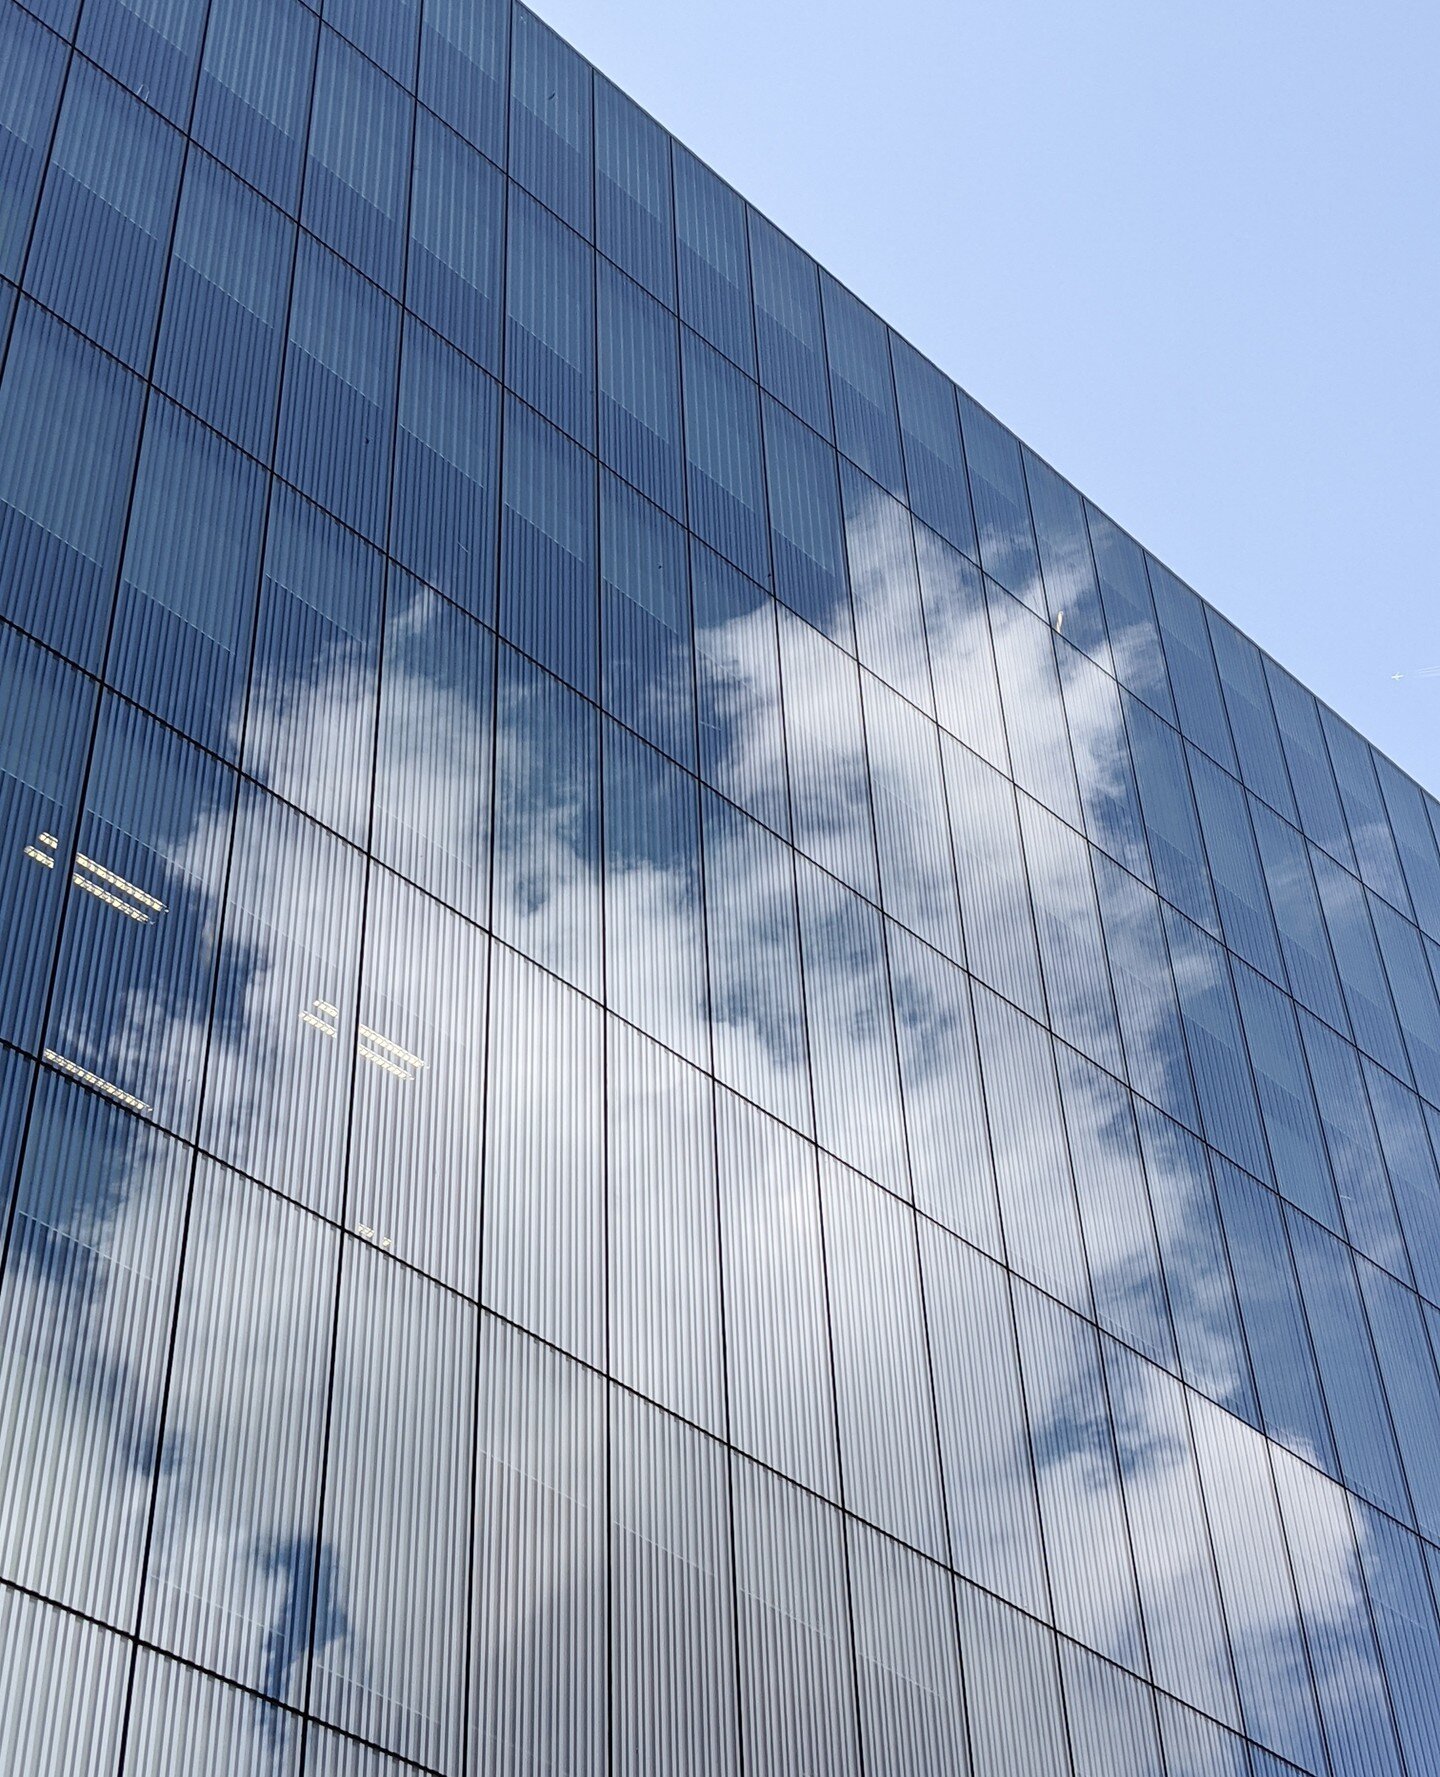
{"x":1189,"y":251}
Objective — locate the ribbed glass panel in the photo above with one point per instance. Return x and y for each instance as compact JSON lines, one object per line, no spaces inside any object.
{"x":825,"y":748}
{"x":882,"y":1382}
{"x":797,"y":1680}
{"x":1037,"y":1194}
{"x":550,"y":318}
{"x":638,"y":371}
{"x":1012,"y":1687}
{"x":27,"y":115}
{"x":432,"y":785}
{"x":186,"y":610}
{"x":789,"y":330}
{"x":1072,"y":593}
{"x":182,"y":1721}
{"x":283,"y":1048}
{"x":940,"y":1079}
{"x":464,"y":59}
{"x":549,"y":595}
{"x":62,"y":1706}
{"x":1375,"y":850}
{"x":547,"y":837}
{"x":645,"y":650}
{"x":930,"y":435}
{"x":310,"y":722}
{"x":150,"y":46}
{"x":1407,"y":1369}
{"x":1120,"y":1243}
{"x":889,"y":623}
{"x":1252,"y":716}
{"x":634,"y":225}
{"x":1034,"y":713}
{"x":1410,"y":1162}
{"x":1002,"y":506}
{"x":1366,"y":1208}
{"x":384,"y":29}
{"x":234,"y":1560}
{"x":672,"y":1603}
{"x":1357,"y":957}
{"x":776,"y":1336}
{"x":544,"y":1204}
{"x":714,"y":261}
{"x":994,"y":892}
{"x":551,"y":121}
{"x":357,"y":176}
{"x":1194,"y":1746}
{"x":222,"y":335}
{"x":1245,"y":917}
{"x":1130,"y":613}
{"x":1406,"y":1628}
{"x":447,"y":473}
{"x":1177,"y":846}
{"x":867,"y":427}
{"x":654,"y":938}
{"x":912,"y":1710}
{"x":1418,"y":846}
{"x":1304,"y":943}
{"x":989,"y":1483}
{"x":336,"y":413}
{"x":16,"y":1073}
{"x":103,"y":231}
{"x":539,"y":1694}
{"x":852,"y":1038}
{"x":328,"y":1754}
{"x":962,"y":655}
{"x":757,"y":1010}
{"x":807,"y":538}
{"x":254,"y":92}
{"x":722,"y":449}
{"x":1077,"y":1476}
{"x":1336,"y":1613}
{"x":1412,"y":987}
{"x":1287,"y":1099}
{"x":1185,"y":634}
{"x":662,"y":1246}
{"x":1255,"y":1583}
{"x":69,"y":421}
{"x":917,"y":871}
{"x":1312,"y":776}
{"x":1111,"y":1716}
{"x":85,"y":1306}
{"x":46,"y":718}
{"x":389,"y":1659}
{"x":1067,"y":923}
{"x":419,"y":1085}
{"x":1185,"y":1632}
{"x":1109,"y":796}
{"x":456,"y":226}
{"x":137,"y":961}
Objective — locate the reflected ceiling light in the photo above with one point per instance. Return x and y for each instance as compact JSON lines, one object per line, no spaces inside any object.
{"x":119,"y":883}
{"x":321,"y":1017}
{"x":368,"y":1233}
{"x":403,"y":1055}
{"x":100,"y":894}
{"x":40,"y":857}
{"x":45,"y":857}
{"x":83,"y":1074}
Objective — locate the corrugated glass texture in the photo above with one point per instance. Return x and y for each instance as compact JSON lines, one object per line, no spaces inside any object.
{"x":692,"y":1077}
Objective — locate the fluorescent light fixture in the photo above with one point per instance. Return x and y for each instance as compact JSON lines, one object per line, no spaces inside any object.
{"x":40,"y":857}
{"x":83,"y":1074}
{"x":119,"y":882}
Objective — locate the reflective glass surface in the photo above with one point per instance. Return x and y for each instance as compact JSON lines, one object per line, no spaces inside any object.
{"x":693,"y":1078}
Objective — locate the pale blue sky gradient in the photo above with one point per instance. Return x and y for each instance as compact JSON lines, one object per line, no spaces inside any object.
{"x":1189,"y":251}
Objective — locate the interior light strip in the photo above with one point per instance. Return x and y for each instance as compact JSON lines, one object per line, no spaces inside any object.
{"x":100,"y":894}
{"x":40,"y":857}
{"x":119,"y":882}
{"x":326,"y":1030}
{"x":390,"y":1067}
{"x":83,"y":1074}
{"x":373,"y":1036}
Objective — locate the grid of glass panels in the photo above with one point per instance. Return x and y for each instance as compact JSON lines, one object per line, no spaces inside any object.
{"x":692,"y":1078}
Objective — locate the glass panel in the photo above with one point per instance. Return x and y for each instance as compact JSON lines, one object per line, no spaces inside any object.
{"x":714,"y":260}
{"x":1176,"y":845}
{"x":934,"y":459}
{"x":662,"y":1234}
{"x":456,"y":240}
{"x":672,"y":1604}
{"x":69,"y":422}
{"x":1355,"y":1158}
{"x":1034,"y":713}
{"x":37,"y":66}
{"x":917,"y":872}
{"x":103,"y":232}
{"x":223,"y":333}
{"x":1419,"y":849}
{"x":432,"y":785}
{"x":551,"y":128}
{"x":137,"y":962}
{"x":825,"y":747}
{"x":648,"y":665}
{"x":63,"y":1708}
{"x":85,"y":1308}
{"x":181,"y":635}
{"x":633,"y":222}
{"x":358,"y":173}
{"x":867,"y":426}
{"x":1112,"y":1718}
{"x":1012,"y":1685}
{"x":1405,"y":1627}
{"x":1304,"y":943}
{"x":384,"y":29}
{"x":389,"y":1663}
{"x":639,"y":369}
{"x":1362,"y":974}
{"x":882,"y":1382}
{"x":1130,"y":613}
{"x":1311,"y":774}
{"x":722,"y":448}
{"x":1412,"y":1389}
{"x":234,"y":1565}
{"x":464,"y":54}
{"x":539,"y":1678}
{"x":889,"y":624}
{"x":310,"y":725}
{"x":1072,"y":592}
{"x":544,"y":1226}
{"x":550,"y":318}
{"x":1369,"y":1217}
{"x":1223,"y":809}
{"x":1002,"y":506}
{"x":1252,"y":716}
{"x":806,"y":534}
{"x":1365,"y":811}
{"x":416,"y":1123}
{"x":962,"y":656}
{"x":1199,"y":700}
{"x":254,"y":93}
{"x":282,"y":1045}
{"x":181,"y":1720}
{"x":789,"y":331}
{"x":777,"y":1339}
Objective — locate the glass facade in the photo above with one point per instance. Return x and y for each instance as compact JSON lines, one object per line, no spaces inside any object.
{"x":692,"y":1077}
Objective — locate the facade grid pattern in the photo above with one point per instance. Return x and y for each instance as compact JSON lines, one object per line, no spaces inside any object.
{"x":692,"y":1076}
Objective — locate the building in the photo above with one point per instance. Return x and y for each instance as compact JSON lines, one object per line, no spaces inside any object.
{"x":692,"y":1078}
